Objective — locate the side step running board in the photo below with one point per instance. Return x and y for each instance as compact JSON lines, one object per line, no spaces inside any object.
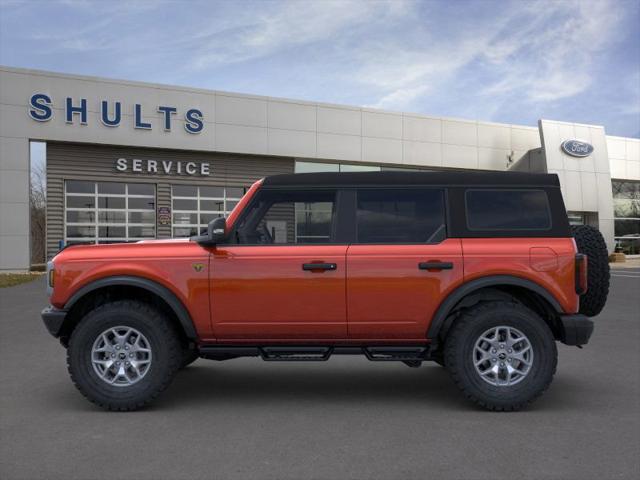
{"x":316,"y":353}
{"x":295,"y":354}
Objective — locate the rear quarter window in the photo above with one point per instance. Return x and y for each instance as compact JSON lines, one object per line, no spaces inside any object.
{"x":494,"y":209}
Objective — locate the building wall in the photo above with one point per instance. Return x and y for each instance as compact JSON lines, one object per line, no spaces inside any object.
{"x":624,"y":157}
{"x":267,"y":126}
{"x":70,"y":161}
{"x":585,"y":182}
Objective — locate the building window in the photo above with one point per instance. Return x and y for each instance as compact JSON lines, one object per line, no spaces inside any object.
{"x":109,"y":212}
{"x":626,"y":212}
{"x":194,"y":207}
{"x":315,"y":167}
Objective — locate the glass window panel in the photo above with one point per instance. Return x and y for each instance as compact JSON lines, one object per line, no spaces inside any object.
{"x":205,"y":218}
{"x":626,"y":208}
{"x":502,"y":210}
{"x":628,"y":245}
{"x":112,"y":232}
{"x":236,"y":192}
{"x":213,"y":192}
{"x":400,"y":216}
{"x":311,"y":167}
{"x":626,"y":189}
{"x":184,"y":190}
{"x":77,"y":186}
{"x":112,"y":188}
{"x":359,"y":168}
{"x":185,"y":231}
{"x":185,"y":218}
{"x":81,"y":232}
{"x":185,"y":204}
{"x":112,"y":217}
{"x":142,"y":217}
{"x":314,"y":219}
{"x":82,"y":216}
{"x":81,"y":202}
{"x":142,"y":232}
{"x":231,"y":205}
{"x":291,"y":217}
{"x":627,"y":227}
{"x":142,"y":203}
{"x":141,"y":189}
{"x":119,"y":203}
{"x":212,"y":205}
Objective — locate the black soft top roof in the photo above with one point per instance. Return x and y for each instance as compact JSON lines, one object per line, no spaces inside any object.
{"x":398,"y":178}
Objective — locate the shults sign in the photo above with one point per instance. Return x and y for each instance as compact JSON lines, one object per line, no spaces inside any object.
{"x":41,"y":110}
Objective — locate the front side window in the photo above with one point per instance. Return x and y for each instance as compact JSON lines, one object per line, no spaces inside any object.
{"x":292,"y":217}
{"x":400,"y":216}
{"x":507,"y":210}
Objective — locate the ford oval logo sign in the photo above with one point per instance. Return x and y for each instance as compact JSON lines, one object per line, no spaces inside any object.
{"x":577,"y":148}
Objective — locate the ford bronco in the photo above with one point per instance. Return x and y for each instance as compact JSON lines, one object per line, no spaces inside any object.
{"x":479,"y":272}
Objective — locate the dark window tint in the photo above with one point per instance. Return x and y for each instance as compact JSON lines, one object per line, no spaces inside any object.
{"x":507,"y":210}
{"x":400,"y":216}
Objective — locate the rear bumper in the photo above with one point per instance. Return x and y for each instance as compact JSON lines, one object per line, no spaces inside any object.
{"x":575,"y":329}
{"x":53,"y":319}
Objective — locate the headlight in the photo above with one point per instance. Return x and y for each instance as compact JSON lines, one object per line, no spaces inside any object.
{"x":51,"y":277}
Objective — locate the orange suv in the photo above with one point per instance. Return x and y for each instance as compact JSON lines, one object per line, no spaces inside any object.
{"x":479,"y":272}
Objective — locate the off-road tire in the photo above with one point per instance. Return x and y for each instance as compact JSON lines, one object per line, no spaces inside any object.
{"x":189,"y":355}
{"x":470,"y":326}
{"x":165,"y":346}
{"x":590,"y":242}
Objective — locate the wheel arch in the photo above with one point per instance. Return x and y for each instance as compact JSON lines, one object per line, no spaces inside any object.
{"x":127,"y":286}
{"x":495,"y":287}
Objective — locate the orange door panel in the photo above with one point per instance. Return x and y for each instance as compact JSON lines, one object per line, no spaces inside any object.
{"x":278,"y":292}
{"x":391,"y":296}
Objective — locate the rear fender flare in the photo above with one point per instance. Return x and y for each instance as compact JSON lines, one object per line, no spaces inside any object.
{"x":447,"y":306}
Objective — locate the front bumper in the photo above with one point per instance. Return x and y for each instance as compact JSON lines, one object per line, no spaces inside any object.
{"x":575,"y":329}
{"x":53,"y":319}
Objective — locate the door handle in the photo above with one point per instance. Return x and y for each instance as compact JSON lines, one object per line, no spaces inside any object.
{"x":435,"y":265}
{"x":319,"y":266}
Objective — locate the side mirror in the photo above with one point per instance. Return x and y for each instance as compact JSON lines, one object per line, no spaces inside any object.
{"x":216,"y":230}
{"x":215,"y":233}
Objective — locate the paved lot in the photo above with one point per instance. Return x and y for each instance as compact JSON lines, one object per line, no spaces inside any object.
{"x":347,"y":418}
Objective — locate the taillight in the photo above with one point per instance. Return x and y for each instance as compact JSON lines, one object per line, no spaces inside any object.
{"x":581,"y":273}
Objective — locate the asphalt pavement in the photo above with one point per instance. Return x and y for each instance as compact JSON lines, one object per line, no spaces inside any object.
{"x":343,"y":419}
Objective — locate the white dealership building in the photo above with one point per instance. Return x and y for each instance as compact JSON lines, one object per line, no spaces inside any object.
{"x":127,"y":160}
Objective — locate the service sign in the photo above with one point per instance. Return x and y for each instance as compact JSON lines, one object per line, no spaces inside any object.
{"x":577,"y":148}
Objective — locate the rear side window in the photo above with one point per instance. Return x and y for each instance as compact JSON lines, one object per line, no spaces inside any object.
{"x":507,"y":210}
{"x":400,"y":216}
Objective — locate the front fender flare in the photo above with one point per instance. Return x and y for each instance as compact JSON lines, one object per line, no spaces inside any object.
{"x":161,"y":291}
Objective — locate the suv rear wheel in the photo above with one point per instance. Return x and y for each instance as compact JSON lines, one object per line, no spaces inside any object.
{"x":501,"y":355}
{"x":123,"y":354}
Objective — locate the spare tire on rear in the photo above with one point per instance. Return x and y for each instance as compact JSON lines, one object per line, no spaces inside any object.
{"x":591,"y":242}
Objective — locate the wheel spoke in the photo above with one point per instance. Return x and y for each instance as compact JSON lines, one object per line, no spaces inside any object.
{"x":121,"y":356}
{"x":502,"y":356}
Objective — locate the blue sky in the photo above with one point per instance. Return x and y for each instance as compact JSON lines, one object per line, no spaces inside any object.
{"x":502,"y":61}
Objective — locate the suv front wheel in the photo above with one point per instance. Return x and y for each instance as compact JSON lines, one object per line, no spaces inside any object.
{"x":123,"y":354}
{"x":501,"y":355}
